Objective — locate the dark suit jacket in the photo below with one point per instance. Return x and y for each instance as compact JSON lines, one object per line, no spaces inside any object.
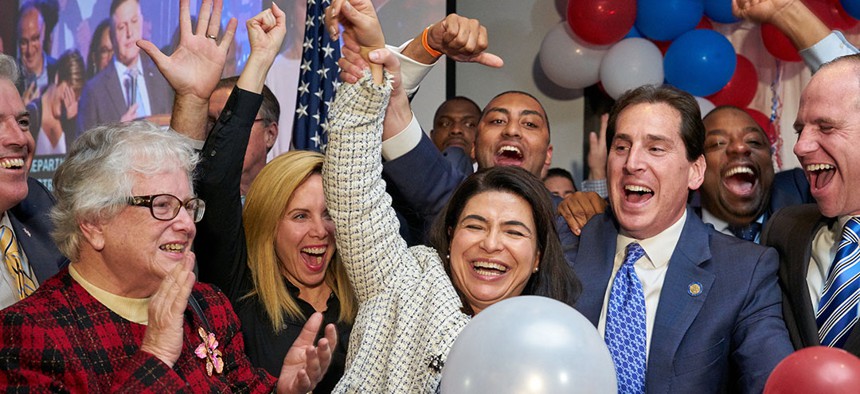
{"x":103,"y":99}
{"x":791,"y":231}
{"x":729,"y":337}
{"x":33,"y":228}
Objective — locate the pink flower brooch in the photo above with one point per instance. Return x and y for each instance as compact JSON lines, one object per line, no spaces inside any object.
{"x":208,"y":350}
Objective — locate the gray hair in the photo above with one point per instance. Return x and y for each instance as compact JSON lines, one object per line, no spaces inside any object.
{"x":96,"y":180}
{"x":9,"y":70}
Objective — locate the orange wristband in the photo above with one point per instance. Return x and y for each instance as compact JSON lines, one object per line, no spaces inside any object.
{"x":426,"y":46}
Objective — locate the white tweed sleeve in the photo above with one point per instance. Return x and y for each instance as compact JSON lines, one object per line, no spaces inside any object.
{"x":366,"y":227}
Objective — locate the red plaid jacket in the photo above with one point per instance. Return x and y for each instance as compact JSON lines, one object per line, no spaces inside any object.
{"x":61,"y":339}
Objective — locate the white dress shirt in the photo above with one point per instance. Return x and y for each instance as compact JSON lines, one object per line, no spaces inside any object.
{"x":824,"y":246}
{"x":8,"y":285}
{"x":723,"y":226}
{"x":143,"y":108}
{"x":651,"y":270}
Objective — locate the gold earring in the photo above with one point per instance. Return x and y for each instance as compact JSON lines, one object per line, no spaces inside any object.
{"x":535,"y":271}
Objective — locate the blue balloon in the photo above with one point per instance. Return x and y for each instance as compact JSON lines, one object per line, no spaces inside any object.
{"x":720,"y":11}
{"x":700,"y":62}
{"x":665,"y":20}
{"x":633,"y":33}
{"x":852,"y":7}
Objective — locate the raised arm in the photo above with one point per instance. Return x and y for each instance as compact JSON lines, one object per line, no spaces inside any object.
{"x":365,"y":224}
{"x":195,"y":66}
{"x":812,"y":38}
{"x":791,"y":17}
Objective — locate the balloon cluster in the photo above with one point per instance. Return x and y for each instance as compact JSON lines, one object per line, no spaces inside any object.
{"x":624,"y":44}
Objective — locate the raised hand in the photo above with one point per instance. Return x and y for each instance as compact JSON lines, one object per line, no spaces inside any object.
{"x":306,"y":364}
{"x":760,"y":11}
{"x":360,"y":23}
{"x":194,"y":68}
{"x":597,"y":151}
{"x":163,"y":336}
{"x":462,"y":39}
{"x":266,"y":32}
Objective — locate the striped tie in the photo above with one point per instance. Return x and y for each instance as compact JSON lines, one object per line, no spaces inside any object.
{"x":13,"y":259}
{"x":625,"y":324}
{"x":837,"y":310}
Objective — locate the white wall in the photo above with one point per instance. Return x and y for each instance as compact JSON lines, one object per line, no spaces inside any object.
{"x":516,"y":29}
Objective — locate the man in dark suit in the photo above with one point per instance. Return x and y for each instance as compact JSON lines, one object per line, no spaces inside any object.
{"x":706,"y":306}
{"x":24,"y":202}
{"x":130,"y":87}
{"x":808,"y":237}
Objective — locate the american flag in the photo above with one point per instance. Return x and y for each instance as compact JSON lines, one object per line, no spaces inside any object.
{"x":318,"y":81}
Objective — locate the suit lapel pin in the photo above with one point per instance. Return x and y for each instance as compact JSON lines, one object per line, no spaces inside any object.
{"x":27,"y":232}
{"x":694,"y":289}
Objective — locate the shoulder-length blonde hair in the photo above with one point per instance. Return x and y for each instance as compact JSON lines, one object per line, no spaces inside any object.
{"x":265,"y":205}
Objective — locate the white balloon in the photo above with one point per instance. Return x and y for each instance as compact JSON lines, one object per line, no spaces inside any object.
{"x":529,"y":344}
{"x":629,"y":64}
{"x":569,"y":61}
{"x":705,"y":105}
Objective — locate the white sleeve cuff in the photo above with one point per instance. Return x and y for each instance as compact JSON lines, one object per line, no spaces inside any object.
{"x":829,"y":48}
{"x":411,"y":71}
{"x":403,"y":142}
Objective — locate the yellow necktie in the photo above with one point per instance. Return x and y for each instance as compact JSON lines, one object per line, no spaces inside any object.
{"x":13,"y":259}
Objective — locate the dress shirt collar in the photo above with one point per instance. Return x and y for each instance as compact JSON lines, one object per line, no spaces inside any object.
{"x":658,"y":248}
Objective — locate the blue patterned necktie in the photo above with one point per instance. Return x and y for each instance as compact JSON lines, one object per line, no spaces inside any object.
{"x":625,"y":324}
{"x":837,"y":310}
{"x":748,"y":232}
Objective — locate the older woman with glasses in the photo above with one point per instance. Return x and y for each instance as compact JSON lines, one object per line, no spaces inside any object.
{"x":127,"y":313}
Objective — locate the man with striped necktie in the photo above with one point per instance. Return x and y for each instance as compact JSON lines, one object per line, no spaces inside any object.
{"x":820,"y":258}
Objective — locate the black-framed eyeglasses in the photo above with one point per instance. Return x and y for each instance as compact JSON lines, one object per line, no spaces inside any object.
{"x":166,"y":206}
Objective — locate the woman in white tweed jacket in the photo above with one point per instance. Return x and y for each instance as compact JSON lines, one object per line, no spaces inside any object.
{"x":497,"y":229}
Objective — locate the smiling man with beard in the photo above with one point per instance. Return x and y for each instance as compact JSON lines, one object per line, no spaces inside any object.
{"x":740,"y":190}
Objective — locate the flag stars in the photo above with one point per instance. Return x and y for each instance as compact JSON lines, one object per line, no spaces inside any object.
{"x":328,"y":50}
{"x":302,"y":110}
{"x":304,"y":87}
{"x":322,"y":72}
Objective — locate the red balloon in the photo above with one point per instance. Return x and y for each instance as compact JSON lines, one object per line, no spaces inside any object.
{"x":741,"y":88}
{"x":831,"y":13}
{"x":662,"y":45}
{"x":777,"y":44}
{"x":705,"y":23}
{"x":601,"y":22}
{"x":816,"y":369}
{"x":763,"y":122}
